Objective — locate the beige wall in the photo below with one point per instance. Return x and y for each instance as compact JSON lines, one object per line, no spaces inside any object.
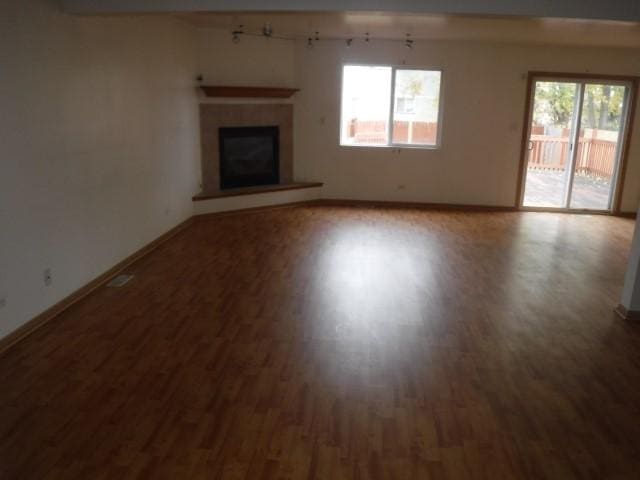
{"x":99,"y":146}
{"x":483,"y":93}
{"x":254,"y":61}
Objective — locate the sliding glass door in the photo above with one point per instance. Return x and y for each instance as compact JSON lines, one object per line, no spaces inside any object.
{"x":575,"y":135}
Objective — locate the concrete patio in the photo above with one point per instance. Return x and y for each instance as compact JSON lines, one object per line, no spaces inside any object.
{"x":545,"y":188}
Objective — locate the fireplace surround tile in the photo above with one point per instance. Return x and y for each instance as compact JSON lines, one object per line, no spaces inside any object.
{"x":214,"y":116}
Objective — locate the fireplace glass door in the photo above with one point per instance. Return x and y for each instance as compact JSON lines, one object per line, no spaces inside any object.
{"x":249,"y":156}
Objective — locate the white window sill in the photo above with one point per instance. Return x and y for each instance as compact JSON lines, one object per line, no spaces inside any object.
{"x":393,"y":147}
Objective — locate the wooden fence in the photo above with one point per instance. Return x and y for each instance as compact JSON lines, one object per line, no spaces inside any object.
{"x":375,"y":132}
{"x":595,"y":156}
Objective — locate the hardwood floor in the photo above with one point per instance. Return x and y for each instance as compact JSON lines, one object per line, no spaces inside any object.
{"x":329,"y":343}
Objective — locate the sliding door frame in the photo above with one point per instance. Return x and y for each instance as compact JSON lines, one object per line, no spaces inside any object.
{"x":631,"y":82}
{"x":573,"y":145}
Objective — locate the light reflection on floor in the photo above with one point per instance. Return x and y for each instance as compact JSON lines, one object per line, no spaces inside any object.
{"x":397,"y":295}
{"x":373,"y":289}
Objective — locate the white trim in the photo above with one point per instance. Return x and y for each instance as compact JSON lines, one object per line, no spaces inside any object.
{"x":392,"y":107}
{"x":390,"y":143}
{"x":574,"y":145}
{"x":523,"y":178}
{"x":581,"y":84}
{"x":624,"y":124}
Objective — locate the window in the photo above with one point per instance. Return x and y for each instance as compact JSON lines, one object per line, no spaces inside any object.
{"x":369,"y":93}
{"x":404,"y":105}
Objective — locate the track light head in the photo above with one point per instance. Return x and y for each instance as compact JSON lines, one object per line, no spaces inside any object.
{"x":408,"y":42}
{"x":349,"y":42}
{"x":235,"y":35}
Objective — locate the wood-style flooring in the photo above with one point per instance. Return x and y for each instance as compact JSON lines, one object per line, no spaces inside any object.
{"x":341,"y":343}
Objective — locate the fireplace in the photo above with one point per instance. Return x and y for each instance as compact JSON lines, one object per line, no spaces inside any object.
{"x":249,"y":156}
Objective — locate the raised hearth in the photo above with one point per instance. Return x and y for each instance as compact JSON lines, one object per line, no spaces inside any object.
{"x":236,"y":192}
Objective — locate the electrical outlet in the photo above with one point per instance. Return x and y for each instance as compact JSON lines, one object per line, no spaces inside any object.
{"x":48,"y":278}
{"x":3,"y":302}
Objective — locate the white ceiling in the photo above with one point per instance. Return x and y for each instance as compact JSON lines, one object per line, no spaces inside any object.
{"x":449,"y":27}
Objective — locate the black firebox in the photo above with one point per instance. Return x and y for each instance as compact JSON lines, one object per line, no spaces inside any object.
{"x":249,"y":156}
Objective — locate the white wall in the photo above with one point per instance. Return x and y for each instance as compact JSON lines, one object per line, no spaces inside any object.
{"x":484,"y":95}
{"x":630,"y":298}
{"x":99,"y":142}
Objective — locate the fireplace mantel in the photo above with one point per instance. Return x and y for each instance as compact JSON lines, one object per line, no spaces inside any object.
{"x":225,"y":91}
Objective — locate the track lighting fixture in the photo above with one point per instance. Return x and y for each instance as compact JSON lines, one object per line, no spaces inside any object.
{"x":235,"y":35}
{"x":408,"y":42}
{"x":267,"y":31}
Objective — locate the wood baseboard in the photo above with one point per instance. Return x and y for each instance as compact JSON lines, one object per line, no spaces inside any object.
{"x":49,"y":314}
{"x":622,"y":312}
{"x":340,"y":202}
{"x":454,"y":206}
{"x":421,"y":205}
{"x":336,"y":202}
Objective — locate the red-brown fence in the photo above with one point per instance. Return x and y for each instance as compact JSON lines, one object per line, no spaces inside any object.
{"x":595,"y":156}
{"x":374,"y":132}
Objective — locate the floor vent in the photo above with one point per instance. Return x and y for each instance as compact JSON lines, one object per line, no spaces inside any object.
{"x":119,"y":281}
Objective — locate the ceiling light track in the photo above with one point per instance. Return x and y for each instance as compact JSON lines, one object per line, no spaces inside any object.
{"x":311,"y":40}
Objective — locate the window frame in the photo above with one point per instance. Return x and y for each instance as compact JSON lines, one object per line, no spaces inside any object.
{"x":390,"y":143}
